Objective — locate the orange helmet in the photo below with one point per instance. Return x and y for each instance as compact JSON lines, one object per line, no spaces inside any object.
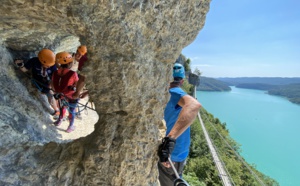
{"x":82,"y":49}
{"x":46,"y":57}
{"x":64,"y":58}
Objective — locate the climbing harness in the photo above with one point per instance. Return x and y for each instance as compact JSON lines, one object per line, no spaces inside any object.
{"x":178,"y":181}
{"x":63,"y":102}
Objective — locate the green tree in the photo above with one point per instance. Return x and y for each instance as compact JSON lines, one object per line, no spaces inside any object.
{"x":197,"y":72}
{"x":187,"y":64}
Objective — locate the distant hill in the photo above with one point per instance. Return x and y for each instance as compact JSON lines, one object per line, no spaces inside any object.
{"x":211,"y":84}
{"x":286,"y":87}
{"x":262,"y":80}
{"x":292,"y":92}
{"x":257,"y":86}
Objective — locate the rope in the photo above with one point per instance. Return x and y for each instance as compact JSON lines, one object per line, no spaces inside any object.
{"x":84,"y":107}
{"x":64,"y":103}
{"x":36,"y":84}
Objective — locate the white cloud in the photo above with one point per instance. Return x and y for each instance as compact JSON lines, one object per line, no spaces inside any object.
{"x":202,"y":65}
{"x":195,"y":58}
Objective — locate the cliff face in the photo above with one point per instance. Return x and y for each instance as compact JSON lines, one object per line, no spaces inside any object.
{"x":131,"y":47}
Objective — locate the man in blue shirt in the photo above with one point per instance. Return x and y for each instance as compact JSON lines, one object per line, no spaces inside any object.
{"x":180,"y":112}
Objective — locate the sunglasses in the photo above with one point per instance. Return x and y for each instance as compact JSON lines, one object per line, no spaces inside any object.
{"x":176,"y":68}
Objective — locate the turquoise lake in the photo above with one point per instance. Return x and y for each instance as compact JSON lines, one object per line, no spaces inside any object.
{"x":267,"y":128}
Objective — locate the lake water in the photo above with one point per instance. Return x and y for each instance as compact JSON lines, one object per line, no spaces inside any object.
{"x":267,"y":128}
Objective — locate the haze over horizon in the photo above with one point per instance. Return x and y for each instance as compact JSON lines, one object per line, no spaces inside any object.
{"x":248,"y":38}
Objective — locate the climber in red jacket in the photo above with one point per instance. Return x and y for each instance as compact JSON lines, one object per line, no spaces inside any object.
{"x":64,"y":82}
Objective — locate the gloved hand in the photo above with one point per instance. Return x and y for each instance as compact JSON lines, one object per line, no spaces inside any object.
{"x":73,"y":88}
{"x":166,"y":148}
{"x":19,"y":63}
{"x":57,"y":96}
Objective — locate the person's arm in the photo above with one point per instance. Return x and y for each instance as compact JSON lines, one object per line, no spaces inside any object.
{"x":53,"y":69}
{"x":51,"y":85}
{"x":190,"y":108}
{"x":20,"y":64}
{"x":79,"y":86}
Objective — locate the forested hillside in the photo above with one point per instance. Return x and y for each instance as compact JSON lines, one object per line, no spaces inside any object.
{"x":257,"y":86}
{"x":262,"y":80}
{"x":286,"y":87}
{"x":292,"y":92}
{"x":211,"y":84}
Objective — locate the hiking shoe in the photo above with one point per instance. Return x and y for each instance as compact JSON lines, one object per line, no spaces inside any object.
{"x":65,"y":118}
{"x":57,"y":123}
{"x":56,"y":114}
{"x":70,"y":129}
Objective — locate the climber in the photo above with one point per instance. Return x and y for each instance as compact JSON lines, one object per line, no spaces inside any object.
{"x":42,"y":68}
{"x":180,"y":112}
{"x":80,"y":84}
{"x":64,"y":83}
{"x":81,"y":57}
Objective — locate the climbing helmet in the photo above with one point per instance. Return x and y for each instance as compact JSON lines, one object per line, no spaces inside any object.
{"x":178,"y":71}
{"x":64,"y":58}
{"x":82,"y":49}
{"x":46,"y":57}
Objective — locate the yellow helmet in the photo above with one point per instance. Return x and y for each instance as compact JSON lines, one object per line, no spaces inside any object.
{"x":64,"y":58}
{"x":82,"y":49}
{"x":46,"y":57}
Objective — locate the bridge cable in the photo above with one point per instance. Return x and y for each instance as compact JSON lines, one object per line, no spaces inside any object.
{"x":239,"y":157}
{"x":222,"y":172}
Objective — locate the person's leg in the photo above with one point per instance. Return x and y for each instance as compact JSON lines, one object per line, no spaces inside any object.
{"x":53,"y":103}
{"x":77,"y":94}
{"x":51,"y":100}
{"x":72,"y":108}
{"x":179,"y":167}
{"x":167,"y":175}
{"x":61,"y":115}
{"x":77,"y":113}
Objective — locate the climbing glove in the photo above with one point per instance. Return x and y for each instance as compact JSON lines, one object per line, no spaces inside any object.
{"x":166,"y":148}
{"x":19,"y":63}
{"x":72,"y":88}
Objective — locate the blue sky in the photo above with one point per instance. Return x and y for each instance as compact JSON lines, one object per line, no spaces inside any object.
{"x":248,"y":38}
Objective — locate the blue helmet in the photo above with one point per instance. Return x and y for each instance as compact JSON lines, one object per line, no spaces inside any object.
{"x":178,"y":71}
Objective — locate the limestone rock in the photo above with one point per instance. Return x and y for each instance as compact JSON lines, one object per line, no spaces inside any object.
{"x":131,"y":47}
